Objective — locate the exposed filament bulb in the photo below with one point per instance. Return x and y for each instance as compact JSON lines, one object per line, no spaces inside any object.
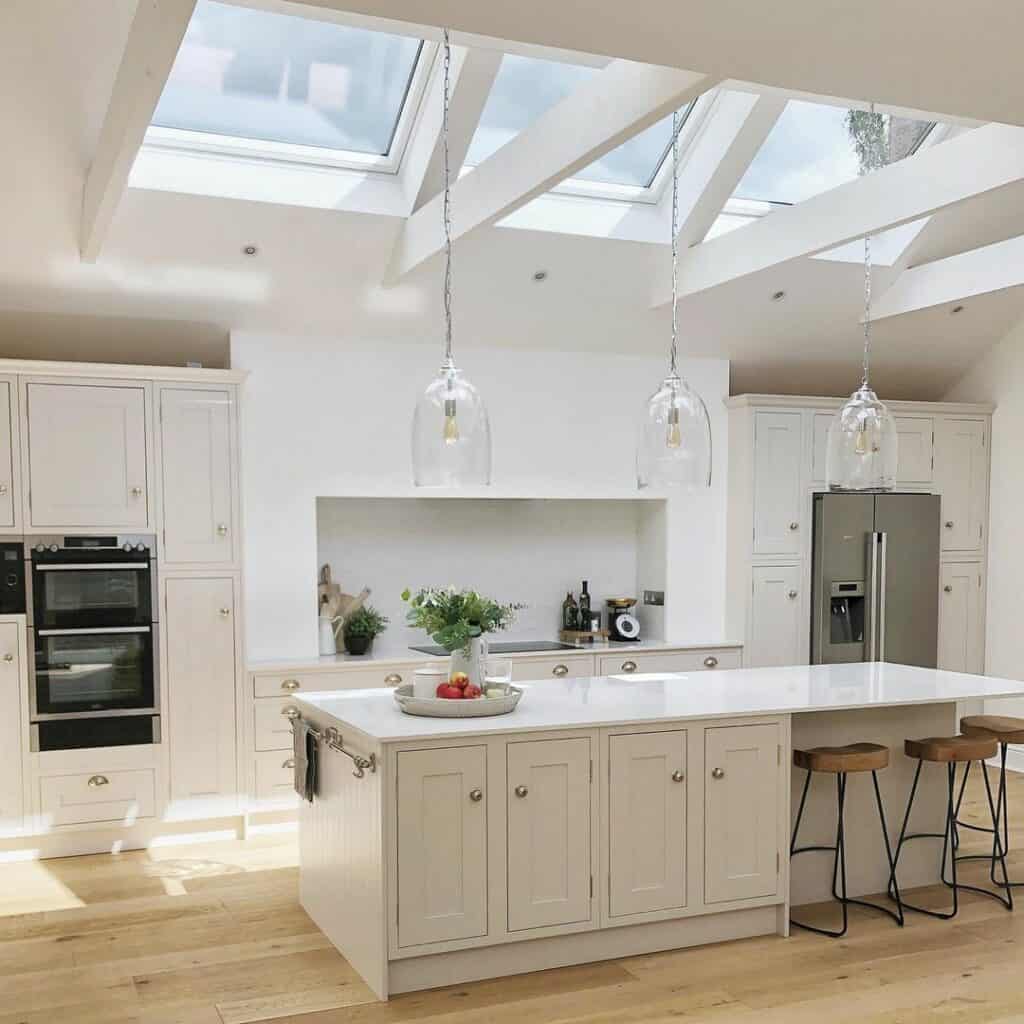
{"x":674,"y":436}
{"x":451,"y":425}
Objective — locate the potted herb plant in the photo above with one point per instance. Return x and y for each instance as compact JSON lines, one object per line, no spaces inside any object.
{"x":361,"y":627}
{"x":459,"y":621}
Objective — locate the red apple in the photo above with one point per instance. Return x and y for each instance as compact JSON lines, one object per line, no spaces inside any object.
{"x":471,"y":691}
{"x":449,"y":692}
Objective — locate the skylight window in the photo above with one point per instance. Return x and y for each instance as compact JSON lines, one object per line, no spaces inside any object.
{"x":244,"y":77}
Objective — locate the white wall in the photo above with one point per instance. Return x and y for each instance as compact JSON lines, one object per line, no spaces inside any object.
{"x":322,"y":417}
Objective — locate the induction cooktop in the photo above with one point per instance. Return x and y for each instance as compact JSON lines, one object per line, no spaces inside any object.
{"x":509,"y":647}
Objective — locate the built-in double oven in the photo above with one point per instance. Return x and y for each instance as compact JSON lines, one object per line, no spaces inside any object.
{"x":92,"y":614}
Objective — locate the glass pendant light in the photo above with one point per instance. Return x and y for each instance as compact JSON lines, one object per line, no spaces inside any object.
{"x":863,"y":446}
{"x":451,"y":435}
{"x":675,"y":438}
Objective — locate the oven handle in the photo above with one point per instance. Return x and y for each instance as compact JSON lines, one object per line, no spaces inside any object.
{"x":59,"y":566}
{"x":94,"y":632}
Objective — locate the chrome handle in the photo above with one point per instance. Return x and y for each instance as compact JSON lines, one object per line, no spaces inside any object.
{"x":718,"y":773}
{"x":8,"y":658}
{"x":521,"y":791}
{"x":225,"y":612}
{"x":291,"y":684}
{"x":476,"y":795}
{"x":873,"y":597}
{"x":560,"y":670}
{"x":881,"y":596}
{"x":392,"y":679}
{"x":136,"y":492}
{"x":290,"y":711}
{"x":710,"y":661}
{"x":98,"y":780}
{"x":794,"y":526}
{"x":222,"y":529}
{"x":792,"y":594}
{"x":629,"y":666}
{"x":290,"y":763}
{"x":677,"y":776}
{"x":947,"y":588}
{"x":949,"y":524}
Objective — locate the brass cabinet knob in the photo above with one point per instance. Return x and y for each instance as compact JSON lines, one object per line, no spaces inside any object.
{"x":98,"y":780}
{"x":136,"y":492}
{"x":629,"y":666}
{"x":792,"y":594}
{"x":710,"y":661}
{"x":290,"y":763}
{"x":392,"y":679}
{"x":521,"y":791}
{"x":290,"y":711}
{"x":225,"y":612}
{"x":718,"y":773}
{"x":794,"y":526}
{"x":8,"y":658}
{"x":222,"y":529}
{"x":291,"y":684}
{"x":3,"y":488}
{"x":476,"y":795}
{"x":948,"y":589}
{"x":560,"y":670}
{"x":677,"y":776}
{"x":949,"y":524}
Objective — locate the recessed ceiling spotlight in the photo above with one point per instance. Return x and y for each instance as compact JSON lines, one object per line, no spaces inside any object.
{"x":250,"y":250}
{"x":540,"y":275}
{"x":957,"y":309}
{"x":778,"y":296}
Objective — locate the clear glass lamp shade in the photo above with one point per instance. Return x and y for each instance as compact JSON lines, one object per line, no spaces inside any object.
{"x":675,"y":439}
{"x":862,"y":445}
{"x":451,"y":435}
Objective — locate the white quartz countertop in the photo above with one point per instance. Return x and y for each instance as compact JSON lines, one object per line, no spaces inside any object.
{"x":651,"y":698}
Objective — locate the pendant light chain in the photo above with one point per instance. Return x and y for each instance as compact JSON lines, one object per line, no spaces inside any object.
{"x":673,"y":351}
{"x":447,"y":206}
{"x":872,"y":164}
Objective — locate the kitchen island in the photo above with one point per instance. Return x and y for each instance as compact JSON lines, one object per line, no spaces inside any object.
{"x":607,"y":816}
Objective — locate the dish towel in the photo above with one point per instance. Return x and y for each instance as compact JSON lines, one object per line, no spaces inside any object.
{"x":305,"y":753}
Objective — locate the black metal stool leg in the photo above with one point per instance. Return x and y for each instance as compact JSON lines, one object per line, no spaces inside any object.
{"x":959,"y":800}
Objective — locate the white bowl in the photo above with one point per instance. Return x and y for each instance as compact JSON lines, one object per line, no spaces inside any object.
{"x":442,"y":707}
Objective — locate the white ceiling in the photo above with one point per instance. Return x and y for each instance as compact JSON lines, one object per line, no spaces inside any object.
{"x":177,"y":258}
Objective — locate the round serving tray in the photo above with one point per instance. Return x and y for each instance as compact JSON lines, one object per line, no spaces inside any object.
{"x":439,"y":707}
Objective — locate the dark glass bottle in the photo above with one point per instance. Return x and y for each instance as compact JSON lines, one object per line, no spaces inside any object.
{"x":584,"y":613}
{"x":570,"y":618}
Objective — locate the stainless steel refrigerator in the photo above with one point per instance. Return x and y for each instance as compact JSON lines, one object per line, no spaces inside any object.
{"x":875,"y":578}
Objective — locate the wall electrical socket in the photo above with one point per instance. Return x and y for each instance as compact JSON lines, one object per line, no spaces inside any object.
{"x":654,"y":597}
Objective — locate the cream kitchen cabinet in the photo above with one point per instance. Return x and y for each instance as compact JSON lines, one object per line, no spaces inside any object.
{"x":961,"y":476}
{"x":566,"y":666}
{"x":550,"y":874}
{"x":199,"y":620}
{"x":915,"y":439}
{"x":742,"y":819}
{"x":197,"y":475}
{"x":961,"y":617}
{"x":779,"y":508}
{"x":627,"y":662}
{"x":12,"y":797}
{"x":8,"y":452}
{"x":777,"y":635}
{"x":442,"y":844}
{"x":646,"y":822}
{"x":87,"y":454}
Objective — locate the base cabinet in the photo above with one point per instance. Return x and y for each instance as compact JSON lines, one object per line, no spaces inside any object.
{"x":11,"y":788}
{"x":646,"y":823}
{"x":741,"y":812}
{"x":961,"y":615}
{"x":777,"y":634}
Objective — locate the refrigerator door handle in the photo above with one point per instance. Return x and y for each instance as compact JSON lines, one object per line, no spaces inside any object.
{"x":884,"y":537}
{"x":873,"y":597}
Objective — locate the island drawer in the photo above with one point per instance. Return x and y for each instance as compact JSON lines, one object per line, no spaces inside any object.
{"x":563,"y":667}
{"x":110,"y":796}
{"x":668,"y":661}
{"x":272,"y":728}
{"x":274,"y":777}
{"x":282,"y":684}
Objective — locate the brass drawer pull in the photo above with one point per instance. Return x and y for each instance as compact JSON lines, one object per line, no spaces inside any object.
{"x":98,"y":780}
{"x":290,"y":711}
{"x":291,"y":684}
{"x":290,"y":763}
{"x":629,"y":666}
{"x":710,"y":661}
{"x":560,"y":670}
{"x":392,"y":679}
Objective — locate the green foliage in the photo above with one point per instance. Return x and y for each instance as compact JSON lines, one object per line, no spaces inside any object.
{"x":453,"y":617}
{"x":367,"y":621}
{"x":869,"y":134}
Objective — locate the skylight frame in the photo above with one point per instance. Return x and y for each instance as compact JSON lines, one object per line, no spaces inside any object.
{"x":211,"y":143}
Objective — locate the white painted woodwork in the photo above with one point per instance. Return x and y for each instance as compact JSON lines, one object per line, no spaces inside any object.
{"x":87,"y":455}
{"x":197,"y":476}
{"x":961,"y":617}
{"x":915,"y":438}
{"x":961,"y":476}
{"x":124,"y":797}
{"x":11,"y":779}
{"x":7,"y":454}
{"x":442,"y":844}
{"x":646,"y":822}
{"x":777,"y":627}
{"x":778,"y":498}
{"x":281,"y":684}
{"x":628,"y":661}
{"x":562,"y":667}
{"x":741,"y":812}
{"x":201,"y":720}
{"x":271,"y":727}
{"x":275,"y":778}
{"x":549,"y":850}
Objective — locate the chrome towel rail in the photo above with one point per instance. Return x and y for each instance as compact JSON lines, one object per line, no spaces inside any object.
{"x":330,"y":737}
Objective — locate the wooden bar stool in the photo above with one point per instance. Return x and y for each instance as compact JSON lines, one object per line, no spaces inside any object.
{"x":951,"y":751}
{"x":841,"y":761}
{"x":1004,"y":730}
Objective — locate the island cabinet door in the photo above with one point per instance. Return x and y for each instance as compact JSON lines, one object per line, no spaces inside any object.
{"x":741,"y":814}
{"x":549,"y":869}
{"x":647,"y":822}
{"x":442,"y":845}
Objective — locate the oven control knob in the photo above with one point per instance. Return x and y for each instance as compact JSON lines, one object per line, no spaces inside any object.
{"x":54,"y":548}
{"x":40,"y":547}
{"x":126,"y":547}
{"x":140,"y":547}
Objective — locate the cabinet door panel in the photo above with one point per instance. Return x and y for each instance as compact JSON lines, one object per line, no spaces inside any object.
{"x":199,"y":621}
{"x":742,"y":790}
{"x":87,"y":455}
{"x":549,"y":870}
{"x":960,"y":618}
{"x":195,"y":432}
{"x":778,"y":504}
{"x":6,"y":455}
{"x":914,"y":437}
{"x":11,"y":793}
{"x":647,"y":822}
{"x":961,"y":475}
{"x":778,"y":635}
{"x":442,"y":845}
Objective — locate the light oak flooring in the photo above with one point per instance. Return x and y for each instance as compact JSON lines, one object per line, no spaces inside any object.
{"x":214,"y":934}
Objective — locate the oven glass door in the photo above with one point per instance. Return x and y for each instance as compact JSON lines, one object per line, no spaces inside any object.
{"x":93,"y":670}
{"x":88,"y":596}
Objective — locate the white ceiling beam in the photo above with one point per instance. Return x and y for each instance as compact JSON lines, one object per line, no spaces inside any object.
{"x":472,"y":75}
{"x":612,"y":106}
{"x":972,"y":164}
{"x":954,"y":280}
{"x":153,"y":42}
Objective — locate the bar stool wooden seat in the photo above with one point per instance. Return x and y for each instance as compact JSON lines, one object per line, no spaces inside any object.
{"x":1004,"y":730}
{"x":841,"y":761}
{"x":952,"y":751}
